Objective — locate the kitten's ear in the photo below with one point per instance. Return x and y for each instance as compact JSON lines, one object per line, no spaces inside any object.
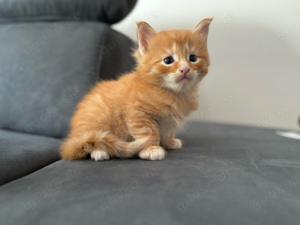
{"x":203,"y":28}
{"x":144,"y":33}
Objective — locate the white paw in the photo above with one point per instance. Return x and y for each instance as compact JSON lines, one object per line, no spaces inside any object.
{"x":99,"y":155}
{"x":177,"y":144}
{"x":152,"y":153}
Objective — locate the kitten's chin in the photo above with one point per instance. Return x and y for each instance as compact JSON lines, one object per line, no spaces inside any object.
{"x":183,"y":78}
{"x":181,"y":84}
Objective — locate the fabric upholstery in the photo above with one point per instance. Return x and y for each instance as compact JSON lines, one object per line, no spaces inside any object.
{"x":107,"y":11}
{"x":46,"y":68}
{"x":223,"y":175}
{"x":22,"y":154}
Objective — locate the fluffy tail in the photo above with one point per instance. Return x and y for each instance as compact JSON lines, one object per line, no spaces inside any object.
{"x":81,"y":147}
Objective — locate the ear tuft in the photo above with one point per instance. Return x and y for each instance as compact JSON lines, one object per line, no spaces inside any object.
{"x":203,"y":27}
{"x":144,"y":34}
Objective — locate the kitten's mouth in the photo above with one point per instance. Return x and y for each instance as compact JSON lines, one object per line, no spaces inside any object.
{"x":182,"y":78}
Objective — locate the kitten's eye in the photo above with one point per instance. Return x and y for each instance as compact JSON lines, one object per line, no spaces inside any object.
{"x":168,"y":60}
{"x":193,"y":58}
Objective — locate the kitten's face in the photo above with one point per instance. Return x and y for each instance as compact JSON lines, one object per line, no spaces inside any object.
{"x":176,"y":59}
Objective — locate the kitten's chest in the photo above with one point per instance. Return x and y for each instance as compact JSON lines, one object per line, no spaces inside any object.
{"x":168,"y":125}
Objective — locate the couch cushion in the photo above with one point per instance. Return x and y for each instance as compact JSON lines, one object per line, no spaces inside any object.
{"x":53,"y":10}
{"x":46,"y":68}
{"x":22,"y":154}
{"x":223,"y":175}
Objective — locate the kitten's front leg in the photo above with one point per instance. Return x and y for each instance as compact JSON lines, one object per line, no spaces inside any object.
{"x":145,"y":128}
{"x":171,"y":143}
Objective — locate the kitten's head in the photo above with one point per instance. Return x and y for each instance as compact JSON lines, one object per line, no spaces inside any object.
{"x":176,"y":59}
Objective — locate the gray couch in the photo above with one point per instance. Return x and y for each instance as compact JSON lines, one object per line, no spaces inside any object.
{"x":51,"y":54}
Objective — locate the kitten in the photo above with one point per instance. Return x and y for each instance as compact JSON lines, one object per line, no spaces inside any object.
{"x":141,"y":111}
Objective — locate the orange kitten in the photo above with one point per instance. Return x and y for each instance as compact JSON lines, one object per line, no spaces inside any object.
{"x":141,"y":111}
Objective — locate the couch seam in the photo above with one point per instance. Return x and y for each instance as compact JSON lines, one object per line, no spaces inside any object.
{"x":100,"y":56}
{"x":50,"y":18}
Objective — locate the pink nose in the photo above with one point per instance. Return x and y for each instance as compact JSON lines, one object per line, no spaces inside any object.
{"x":184,"y":69}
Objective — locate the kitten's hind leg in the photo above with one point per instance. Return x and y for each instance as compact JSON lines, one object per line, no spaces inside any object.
{"x":99,"y":155}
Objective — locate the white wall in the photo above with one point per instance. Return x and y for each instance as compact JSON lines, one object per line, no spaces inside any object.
{"x":254,"y":78}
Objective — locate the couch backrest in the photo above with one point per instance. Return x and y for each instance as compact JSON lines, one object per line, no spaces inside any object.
{"x":46,"y":67}
{"x":107,"y":11}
